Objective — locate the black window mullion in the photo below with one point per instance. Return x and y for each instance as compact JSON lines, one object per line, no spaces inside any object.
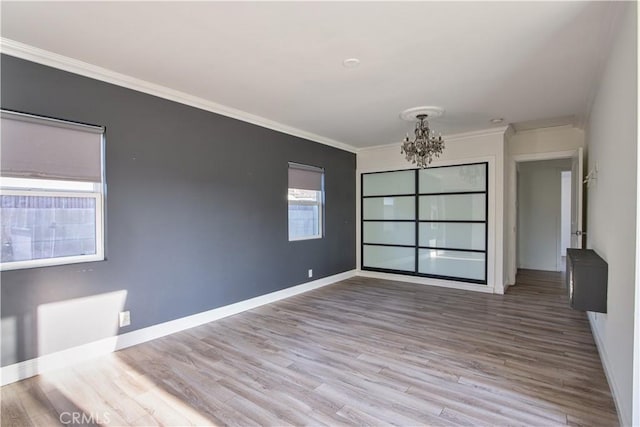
{"x":486,"y":222}
{"x":393,"y":245}
{"x":361,"y":221}
{"x":437,"y":248}
{"x":455,"y":221}
{"x":416,"y":219}
{"x":386,"y":195}
{"x":452,"y":193}
{"x":388,"y":220}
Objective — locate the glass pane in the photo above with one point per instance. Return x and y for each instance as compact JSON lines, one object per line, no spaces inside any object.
{"x":453,"y":178}
{"x":467,"y":265}
{"x":304,"y":220}
{"x":389,"y":257}
{"x":465,"y":207}
{"x":388,"y":183}
{"x":38,"y":227}
{"x":389,"y":208}
{"x":452,"y":235}
{"x":392,"y":233}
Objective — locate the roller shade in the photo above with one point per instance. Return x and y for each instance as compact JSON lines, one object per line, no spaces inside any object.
{"x":35,"y":147}
{"x":305,"y":177}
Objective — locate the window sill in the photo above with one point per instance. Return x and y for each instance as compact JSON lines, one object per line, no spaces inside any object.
{"x":51,"y":262}
{"x":299,"y":239}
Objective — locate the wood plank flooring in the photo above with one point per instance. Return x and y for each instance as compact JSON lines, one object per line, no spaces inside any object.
{"x":360,"y":352}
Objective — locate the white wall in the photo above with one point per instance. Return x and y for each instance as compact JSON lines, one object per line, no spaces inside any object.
{"x":565,"y":212}
{"x":463,"y":148}
{"x":612,"y":205}
{"x":538,"y":216}
{"x":539,"y":220}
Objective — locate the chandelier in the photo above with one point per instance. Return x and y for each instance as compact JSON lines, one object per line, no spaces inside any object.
{"x":425,"y":146}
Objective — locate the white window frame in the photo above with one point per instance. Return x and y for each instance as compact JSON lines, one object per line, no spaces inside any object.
{"x":320,"y":204}
{"x":45,"y":262}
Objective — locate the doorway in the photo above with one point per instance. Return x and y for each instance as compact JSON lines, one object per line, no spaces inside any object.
{"x":543,"y":232}
{"x":577,"y":231}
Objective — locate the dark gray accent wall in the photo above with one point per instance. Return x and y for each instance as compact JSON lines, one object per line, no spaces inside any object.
{"x":196,"y":206}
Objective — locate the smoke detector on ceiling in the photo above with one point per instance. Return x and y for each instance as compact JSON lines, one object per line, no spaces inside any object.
{"x":351,"y":62}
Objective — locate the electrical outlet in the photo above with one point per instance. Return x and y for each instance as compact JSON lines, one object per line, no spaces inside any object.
{"x":310,"y":273}
{"x":125,"y":318}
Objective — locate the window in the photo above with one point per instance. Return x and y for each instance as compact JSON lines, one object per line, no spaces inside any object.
{"x":427,"y":222}
{"x":51,"y":192}
{"x":306,"y":202}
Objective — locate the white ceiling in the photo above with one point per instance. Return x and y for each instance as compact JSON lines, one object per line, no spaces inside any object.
{"x":524,"y":61}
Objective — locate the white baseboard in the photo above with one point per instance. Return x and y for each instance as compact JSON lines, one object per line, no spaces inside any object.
{"x":74,"y":355}
{"x":615,"y":391}
{"x":427,"y":281}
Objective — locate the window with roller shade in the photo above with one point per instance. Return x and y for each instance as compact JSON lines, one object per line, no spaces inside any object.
{"x":51,"y":191}
{"x":306,"y":202}
{"x":427,"y":222}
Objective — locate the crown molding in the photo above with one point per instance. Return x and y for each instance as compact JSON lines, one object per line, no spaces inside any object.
{"x":547,"y":129}
{"x":61,"y":62}
{"x":500,"y":130}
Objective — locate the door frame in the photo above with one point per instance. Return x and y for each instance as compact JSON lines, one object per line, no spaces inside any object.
{"x":559,"y":261}
{"x":512,"y":211}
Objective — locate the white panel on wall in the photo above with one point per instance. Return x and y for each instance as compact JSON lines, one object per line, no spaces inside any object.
{"x":453,"y":235}
{"x":458,"y":207}
{"x":389,"y":257}
{"x":389,"y":208}
{"x":389,"y":183}
{"x":391,"y":233}
{"x":453,"y":179}
{"x":469,"y":265}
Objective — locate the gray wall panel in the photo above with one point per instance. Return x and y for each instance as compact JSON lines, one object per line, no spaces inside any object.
{"x":196,"y":209}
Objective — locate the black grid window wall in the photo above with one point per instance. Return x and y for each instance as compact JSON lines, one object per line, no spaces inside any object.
{"x":427,"y":222}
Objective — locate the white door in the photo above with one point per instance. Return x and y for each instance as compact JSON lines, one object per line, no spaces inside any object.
{"x":577,"y":175}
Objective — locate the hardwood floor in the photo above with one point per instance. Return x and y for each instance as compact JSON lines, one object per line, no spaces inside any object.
{"x":360,"y":352}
